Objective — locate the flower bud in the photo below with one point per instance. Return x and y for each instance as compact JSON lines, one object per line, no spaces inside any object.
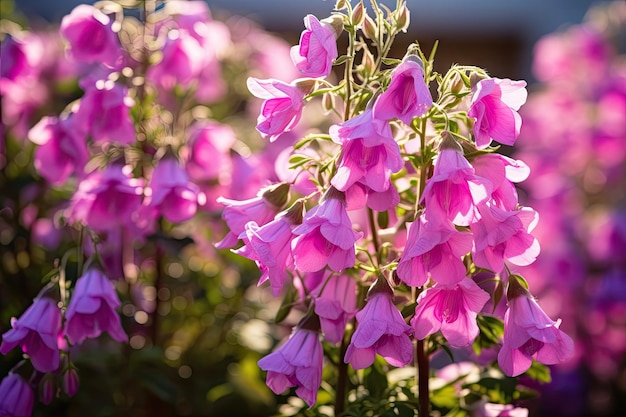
{"x":47,"y":389}
{"x":341,"y":4}
{"x":328,"y":103}
{"x":403,"y":18}
{"x":357,"y":14}
{"x":70,"y":381}
{"x":368,"y":65}
{"x":369,"y":27}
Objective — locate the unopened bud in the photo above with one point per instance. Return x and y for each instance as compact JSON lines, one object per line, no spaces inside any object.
{"x":328,"y":103}
{"x":357,"y":14}
{"x":341,"y":4}
{"x":70,"y":381}
{"x":368,"y":65}
{"x":457,"y":85}
{"x":277,"y":195}
{"x":369,"y":27}
{"x":404,"y":18}
{"x":47,"y":389}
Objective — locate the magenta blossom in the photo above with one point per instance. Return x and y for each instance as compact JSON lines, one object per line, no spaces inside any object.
{"x":208,"y":153}
{"x":37,"y":332}
{"x":282,"y":108}
{"x":529,"y":333}
{"x":90,"y":35}
{"x":500,"y":410}
{"x":454,"y":191}
{"x":297,"y":363}
{"x":433,"y":249}
{"x":502,"y":172}
{"x":494,"y":106}
{"x":504,"y":235}
{"x":325,"y":238}
{"x":176,"y":198}
{"x":61,"y":152}
{"x":451,"y":309}
{"x":407,"y":95}
{"x":16,"y":397}
{"x":381,"y":330}
{"x":317,"y":50}
{"x":20,"y":58}
{"x":335,"y":304}
{"x":91,"y":310}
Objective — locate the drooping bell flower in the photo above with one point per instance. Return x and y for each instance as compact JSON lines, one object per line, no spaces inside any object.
{"x":61,"y":152}
{"x":208,"y":152}
{"x":172,"y":194}
{"x":494,"y":105}
{"x":501,"y":172}
{"x":433,"y":249}
{"x":16,"y":396}
{"x":454,"y":191}
{"x":451,"y":309}
{"x":20,"y":58}
{"x":297,"y":363}
{"x":381,"y":330}
{"x":91,"y":310}
{"x":317,"y":50}
{"x":335,"y":304}
{"x":530,"y":334}
{"x":260,"y":209}
{"x":270,"y":246}
{"x":91,"y":37}
{"x":283,"y":105}
{"x":325,"y":237}
{"x":407,"y":96}
{"x":37,"y":332}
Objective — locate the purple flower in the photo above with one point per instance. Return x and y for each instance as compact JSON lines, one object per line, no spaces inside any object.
{"x":282,"y":108}
{"x":502,"y":172}
{"x":91,"y":310}
{"x":61,"y":152}
{"x":494,"y":106}
{"x":433,"y":249}
{"x":451,"y":309}
{"x":70,"y":382}
{"x":16,"y":396}
{"x":37,"y":332}
{"x":325,"y":238}
{"x":407,"y":95}
{"x":381,"y":329}
{"x":335,"y":304}
{"x":208,"y":153}
{"x":21,"y":57}
{"x":175,"y":197}
{"x":90,"y":35}
{"x":297,"y":363}
{"x":317,"y":50}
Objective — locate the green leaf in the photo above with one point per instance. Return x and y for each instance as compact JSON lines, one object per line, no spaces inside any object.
{"x":375,"y":381}
{"x":297,"y":160}
{"x":539,"y":372}
{"x":340,"y":60}
{"x":383,"y":219}
{"x":445,"y":396}
{"x":286,"y":305}
{"x":391,"y":61}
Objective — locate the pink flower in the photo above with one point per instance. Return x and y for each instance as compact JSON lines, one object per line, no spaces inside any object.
{"x":433,"y":249}
{"x":297,"y":363}
{"x":108,"y":199}
{"x":37,"y":332}
{"x":20,"y":58}
{"x":325,"y":238}
{"x":494,"y":106}
{"x":70,"y":382}
{"x":260,"y":209}
{"x":500,"y":235}
{"x":502,"y":172}
{"x":454,"y":191}
{"x":16,"y":396}
{"x":451,"y":309}
{"x":529,"y":333}
{"x":176,"y":198}
{"x":208,"y":153}
{"x":104,"y":114}
{"x":407,"y":95}
{"x":270,"y":246}
{"x":61,"y":152}
{"x":381,"y":330}
{"x":500,"y":410}
{"x":282,"y":108}
{"x":317,"y":50}
{"x":90,"y":35}
{"x":360,"y":195}
{"x":91,"y":310}
{"x":335,"y":304}
{"x":369,"y":154}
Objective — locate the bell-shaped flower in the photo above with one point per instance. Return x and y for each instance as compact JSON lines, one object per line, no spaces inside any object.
{"x":454,"y":190}
{"x":325,"y":237}
{"x":433,"y":249}
{"x":104,"y":113}
{"x":22,"y":56}
{"x":91,"y":37}
{"x":504,"y":235}
{"x":208,"y":150}
{"x":91,"y":310}
{"x":381,"y":330}
{"x":317,"y":50}
{"x":175,"y":197}
{"x":451,"y":309}
{"x":360,"y":195}
{"x":260,"y":209}
{"x":501,"y":172}
{"x":107,"y":199}
{"x":61,"y":152}
{"x":335,"y":304}
{"x":297,"y":363}
{"x":529,"y":333}
{"x":16,"y":396}
{"x":407,"y":96}
{"x":282,"y":107}
{"x":494,"y":105}
{"x":270,"y":246}
{"x":37,"y":332}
